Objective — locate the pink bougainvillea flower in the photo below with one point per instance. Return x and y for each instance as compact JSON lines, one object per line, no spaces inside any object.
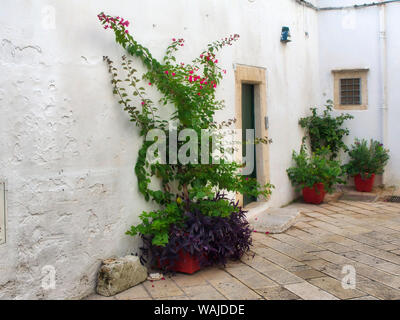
{"x":201,"y":87}
{"x":173,"y":39}
{"x":191,"y":71}
{"x":198,"y":93}
{"x":224,"y":71}
{"x":166,"y":71}
{"x":247,"y":179}
{"x":142,"y":103}
{"x":150,"y":83}
{"x":126,"y":31}
{"x":216,"y":61}
{"x":190,"y":79}
{"x":173,"y":74}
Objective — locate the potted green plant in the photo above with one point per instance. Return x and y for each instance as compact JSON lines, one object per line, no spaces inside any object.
{"x":365,"y":162}
{"x":326,"y":130}
{"x":314,"y":174}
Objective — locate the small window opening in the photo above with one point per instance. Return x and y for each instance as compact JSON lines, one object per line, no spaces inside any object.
{"x":350,"y":91}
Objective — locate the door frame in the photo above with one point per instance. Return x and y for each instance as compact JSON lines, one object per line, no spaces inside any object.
{"x":257,"y":77}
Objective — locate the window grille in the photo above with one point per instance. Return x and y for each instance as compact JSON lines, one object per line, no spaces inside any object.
{"x":350,"y":91}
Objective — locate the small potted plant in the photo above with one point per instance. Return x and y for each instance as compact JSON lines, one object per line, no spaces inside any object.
{"x":211,"y":232}
{"x":315,"y":175}
{"x":365,"y":162}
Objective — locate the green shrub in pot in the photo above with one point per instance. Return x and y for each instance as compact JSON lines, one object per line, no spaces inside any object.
{"x":315,"y":168}
{"x":367,"y":159}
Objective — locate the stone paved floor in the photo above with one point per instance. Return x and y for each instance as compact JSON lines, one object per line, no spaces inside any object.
{"x":305,"y":262}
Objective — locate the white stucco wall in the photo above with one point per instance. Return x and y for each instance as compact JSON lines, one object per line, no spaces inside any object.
{"x":67,"y":150}
{"x":350,"y":39}
{"x":393,"y":59}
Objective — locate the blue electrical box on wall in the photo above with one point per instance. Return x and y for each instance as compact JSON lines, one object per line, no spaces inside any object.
{"x":285,"y":35}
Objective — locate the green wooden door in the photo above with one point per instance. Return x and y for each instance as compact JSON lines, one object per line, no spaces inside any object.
{"x":248,"y":122}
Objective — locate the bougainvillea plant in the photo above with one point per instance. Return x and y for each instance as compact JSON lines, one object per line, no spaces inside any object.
{"x":187,"y":190}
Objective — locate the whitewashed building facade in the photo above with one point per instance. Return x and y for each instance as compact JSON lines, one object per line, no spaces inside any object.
{"x":67,"y":150}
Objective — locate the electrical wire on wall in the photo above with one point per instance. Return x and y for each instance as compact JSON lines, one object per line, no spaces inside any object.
{"x":355,"y":6}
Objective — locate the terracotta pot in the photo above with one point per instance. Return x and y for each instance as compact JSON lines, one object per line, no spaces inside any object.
{"x":186,"y":263}
{"x":314,"y":195}
{"x":364,"y":185}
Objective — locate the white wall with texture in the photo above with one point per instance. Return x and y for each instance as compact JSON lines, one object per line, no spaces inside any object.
{"x":67,"y":150}
{"x":351,"y":39}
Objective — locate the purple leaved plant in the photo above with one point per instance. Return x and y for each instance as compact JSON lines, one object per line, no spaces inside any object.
{"x":212,"y":240}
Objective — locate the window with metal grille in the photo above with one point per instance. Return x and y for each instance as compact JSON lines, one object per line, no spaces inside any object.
{"x":350,"y":91}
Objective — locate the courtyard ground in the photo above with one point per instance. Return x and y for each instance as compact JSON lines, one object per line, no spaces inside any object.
{"x":305,"y":262}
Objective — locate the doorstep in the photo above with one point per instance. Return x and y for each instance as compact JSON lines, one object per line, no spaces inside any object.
{"x":264,"y":219}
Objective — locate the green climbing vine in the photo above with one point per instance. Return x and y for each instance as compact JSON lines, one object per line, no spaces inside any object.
{"x":190,"y":89}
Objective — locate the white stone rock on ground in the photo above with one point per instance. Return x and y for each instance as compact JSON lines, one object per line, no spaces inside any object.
{"x":117,"y":275}
{"x":273,"y":220}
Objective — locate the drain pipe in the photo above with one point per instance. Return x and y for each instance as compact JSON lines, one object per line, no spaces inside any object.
{"x":384,"y":76}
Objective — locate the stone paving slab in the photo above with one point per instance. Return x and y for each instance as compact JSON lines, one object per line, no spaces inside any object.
{"x":277,"y":293}
{"x":274,"y":220}
{"x":307,"y":291}
{"x":135,"y":293}
{"x":250,"y":277}
{"x":203,"y":292}
{"x":334,"y":287}
{"x":304,"y":262}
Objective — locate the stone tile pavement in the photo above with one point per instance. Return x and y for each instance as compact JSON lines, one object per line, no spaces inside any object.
{"x":305,"y":262}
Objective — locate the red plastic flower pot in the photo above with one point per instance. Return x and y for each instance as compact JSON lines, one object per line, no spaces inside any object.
{"x":186,"y":263}
{"x":364,"y":185}
{"x":314,"y":195}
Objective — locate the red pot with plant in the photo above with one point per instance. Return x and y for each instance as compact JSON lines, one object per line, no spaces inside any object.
{"x":315,"y":194}
{"x":364,"y":184}
{"x":314,"y":174}
{"x":365,"y":162}
{"x":186,"y":263}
